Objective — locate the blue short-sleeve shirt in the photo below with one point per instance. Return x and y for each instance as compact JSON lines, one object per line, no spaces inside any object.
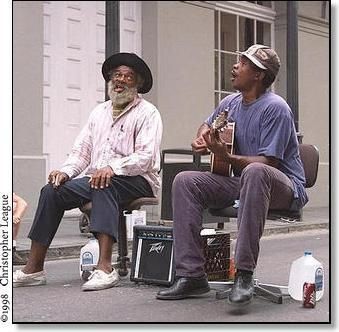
{"x":265,"y":127}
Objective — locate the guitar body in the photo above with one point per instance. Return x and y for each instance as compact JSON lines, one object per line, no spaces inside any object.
{"x":218,"y":163}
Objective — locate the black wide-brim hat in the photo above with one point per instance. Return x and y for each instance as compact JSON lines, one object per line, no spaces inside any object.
{"x":129,"y":60}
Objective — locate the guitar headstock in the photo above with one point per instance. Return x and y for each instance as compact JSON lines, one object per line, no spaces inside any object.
{"x":220,"y":121}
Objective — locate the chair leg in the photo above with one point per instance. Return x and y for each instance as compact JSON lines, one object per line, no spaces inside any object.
{"x":84,"y":222}
{"x":220,"y":226}
{"x":122,"y":246}
{"x":273,"y":293}
{"x":222,"y":288}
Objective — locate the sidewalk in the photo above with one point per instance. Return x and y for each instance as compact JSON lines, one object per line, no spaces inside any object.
{"x":68,"y":240}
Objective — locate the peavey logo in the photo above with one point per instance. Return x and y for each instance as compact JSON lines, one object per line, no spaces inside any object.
{"x":157,"y":247}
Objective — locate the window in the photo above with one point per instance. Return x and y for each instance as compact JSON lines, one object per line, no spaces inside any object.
{"x":235,"y":32}
{"x":263,"y":3}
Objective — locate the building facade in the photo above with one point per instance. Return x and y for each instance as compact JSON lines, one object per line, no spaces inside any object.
{"x":59,"y":47}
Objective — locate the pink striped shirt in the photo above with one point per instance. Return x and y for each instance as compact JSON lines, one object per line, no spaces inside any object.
{"x":130,"y":144}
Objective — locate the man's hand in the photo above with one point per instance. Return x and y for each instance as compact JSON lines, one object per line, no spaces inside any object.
{"x":199,"y":145}
{"x":214,"y":143}
{"x":101,"y":178}
{"x":56,"y":178}
{"x":16,"y":219}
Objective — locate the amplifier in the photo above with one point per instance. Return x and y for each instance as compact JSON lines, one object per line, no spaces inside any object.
{"x":152,"y":255}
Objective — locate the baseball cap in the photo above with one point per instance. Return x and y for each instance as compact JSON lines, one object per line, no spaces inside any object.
{"x":263,"y":57}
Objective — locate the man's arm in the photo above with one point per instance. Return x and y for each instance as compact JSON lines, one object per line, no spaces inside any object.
{"x":202,"y":129}
{"x":20,"y":208}
{"x":240,"y":162}
{"x":217,"y":146}
{"x":77,"y":161}
{"x":80,"y":155}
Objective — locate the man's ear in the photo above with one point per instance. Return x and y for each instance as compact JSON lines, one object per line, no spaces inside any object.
{"x":260,"y":75}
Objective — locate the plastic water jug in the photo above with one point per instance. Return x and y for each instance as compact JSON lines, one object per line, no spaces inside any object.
{"x":89,"y":256}
{"x":306,"y":269}
{"x":136,"y":217}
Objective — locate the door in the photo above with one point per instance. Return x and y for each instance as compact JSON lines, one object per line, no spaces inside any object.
{"x":74,"y":50}
{"x":130,"y":26}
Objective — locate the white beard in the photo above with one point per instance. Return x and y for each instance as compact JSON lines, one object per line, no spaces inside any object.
{"x":120,"y":100}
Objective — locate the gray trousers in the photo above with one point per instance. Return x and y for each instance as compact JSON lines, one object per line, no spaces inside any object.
{"x":259,"y":188}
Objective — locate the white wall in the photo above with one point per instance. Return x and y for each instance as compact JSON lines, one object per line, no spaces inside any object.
{"x":181,"y":57}
{"x":28,"y":160}
{"x":314,"y":92}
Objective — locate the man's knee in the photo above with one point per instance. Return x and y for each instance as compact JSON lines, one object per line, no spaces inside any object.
{"x":254,"y":171}
{"x":183,"y":180}
{"x":47,"y":191}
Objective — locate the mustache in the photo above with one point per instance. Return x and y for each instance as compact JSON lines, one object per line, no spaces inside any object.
{"x":123,"y":85}
{"x":112,"y":86}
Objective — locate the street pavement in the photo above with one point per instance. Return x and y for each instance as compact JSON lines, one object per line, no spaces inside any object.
{"x":62,"y":301}
{"x":68,"y":240}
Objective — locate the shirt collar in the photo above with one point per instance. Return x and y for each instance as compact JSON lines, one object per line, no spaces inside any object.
{"x":133,"y":103}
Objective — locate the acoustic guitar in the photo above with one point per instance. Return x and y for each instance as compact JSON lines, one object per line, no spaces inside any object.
{"x":226,"y":133}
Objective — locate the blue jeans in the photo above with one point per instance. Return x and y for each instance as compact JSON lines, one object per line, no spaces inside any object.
{"x":106,"y":205}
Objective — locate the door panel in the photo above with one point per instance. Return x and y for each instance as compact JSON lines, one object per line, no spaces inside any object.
{"x":130,"y":26}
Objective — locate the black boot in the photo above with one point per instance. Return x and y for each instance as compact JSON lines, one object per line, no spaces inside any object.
{"x":184,"y":287}
{"x":242,"y":290}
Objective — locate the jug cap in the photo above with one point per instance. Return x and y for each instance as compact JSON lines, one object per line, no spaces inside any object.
{"x":307,"y":252}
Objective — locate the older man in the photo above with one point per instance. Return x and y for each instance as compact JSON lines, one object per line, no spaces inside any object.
{"x":119,"y":148}
{"x":268,"y":173}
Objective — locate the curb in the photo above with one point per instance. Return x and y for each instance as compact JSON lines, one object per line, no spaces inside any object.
{"x":68,"y":252}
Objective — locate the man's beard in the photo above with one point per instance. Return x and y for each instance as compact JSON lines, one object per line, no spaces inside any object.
{"x":120,"y":100}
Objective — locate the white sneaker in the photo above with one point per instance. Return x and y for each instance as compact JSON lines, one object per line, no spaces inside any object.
{"x":21,"y":279}
{"x":101,"y":280}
